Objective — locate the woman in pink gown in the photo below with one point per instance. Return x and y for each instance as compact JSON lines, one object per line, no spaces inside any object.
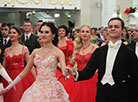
{"x":15,"y":56}
{"x":67,"y":47}
{"x":82,"y":91}
{"x":46,"y":88}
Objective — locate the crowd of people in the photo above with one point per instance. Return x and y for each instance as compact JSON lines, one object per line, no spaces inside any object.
{"x":61,"y":64}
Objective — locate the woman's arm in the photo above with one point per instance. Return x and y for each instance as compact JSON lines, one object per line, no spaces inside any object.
{"x":26,"y":54}
{"x":4,"y":74}
{"x":28,"y":66}
{"x":61,"y":59}
{"x":5,"y":64}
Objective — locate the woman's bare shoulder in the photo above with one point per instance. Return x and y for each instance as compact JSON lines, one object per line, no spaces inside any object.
{"x":57,"y":51}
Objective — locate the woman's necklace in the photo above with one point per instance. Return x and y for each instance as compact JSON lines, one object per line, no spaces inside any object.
{"x":46,"y":51}
{"x":62,"y":43}
{"x":83,"y":48}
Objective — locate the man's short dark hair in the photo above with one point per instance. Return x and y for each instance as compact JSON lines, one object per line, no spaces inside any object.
{"x":27,"y":21}
{"x":5,"y":24}
{"x":40,"y":21}
{"x":119,"y":19}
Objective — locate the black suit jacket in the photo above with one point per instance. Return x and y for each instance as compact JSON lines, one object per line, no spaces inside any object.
{"x":32,"y":43}
{"x":125,"y":64}
{"x":3,"y":47}
{"x":132,"y":46}
{"x":98,"y":35}
{"x":133,"y":83}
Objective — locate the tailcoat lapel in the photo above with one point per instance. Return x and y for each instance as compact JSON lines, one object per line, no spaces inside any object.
{"x":119,"y":56}
{"x":103,"y":58}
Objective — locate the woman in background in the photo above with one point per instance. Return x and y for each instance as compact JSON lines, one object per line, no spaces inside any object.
{"x":67,"y":47}
{"x":75,"y":33}
{"x":15,"y":56}
{"x":93,"y":37}
{"x":82,"y":91}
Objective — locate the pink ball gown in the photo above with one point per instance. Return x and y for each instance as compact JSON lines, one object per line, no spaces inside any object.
{"x":46,"y":88}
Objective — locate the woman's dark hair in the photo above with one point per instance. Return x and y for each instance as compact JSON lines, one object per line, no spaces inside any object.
{"x":18,"y":30}
{"x":53,"y":30}
{"x":64,"y":27}
{"x":95,"y":29}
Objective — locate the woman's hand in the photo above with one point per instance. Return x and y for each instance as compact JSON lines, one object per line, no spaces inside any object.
{"x":9,"y":82}
{"x":14,"y":86}
{"x":3,"y":91}
{"x":70,"y":71}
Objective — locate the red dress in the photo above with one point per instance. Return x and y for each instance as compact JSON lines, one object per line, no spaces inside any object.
{"x":15,"y":66}
{"x":68,"y":51}
{"x":82,"y":91}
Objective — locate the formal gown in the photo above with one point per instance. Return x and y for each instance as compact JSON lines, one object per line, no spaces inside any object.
{"x":82,"y":91}
{"x":93,"y":39}
{"x":46,"y":88}
{"x":68,"y":51}
{"x":15,"y":66}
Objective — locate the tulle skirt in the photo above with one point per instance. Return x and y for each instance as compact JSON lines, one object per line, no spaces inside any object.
{"x":45,"y":91}
{"x":61,"y":78}
{"x":82,"y":91}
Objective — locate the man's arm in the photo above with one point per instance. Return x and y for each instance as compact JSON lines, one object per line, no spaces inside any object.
{"x":90,"y":68}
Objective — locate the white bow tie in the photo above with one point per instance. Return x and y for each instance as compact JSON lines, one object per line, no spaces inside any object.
{"x":115,"y":46}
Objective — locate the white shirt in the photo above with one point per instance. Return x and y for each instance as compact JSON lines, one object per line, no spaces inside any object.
{"x":38,"y":33}
{"x":6,"y":39}
{"x":136,"y":49}
{"x":111,"y":55}
{"x":102,"y":36}
{"x":27,"y":35}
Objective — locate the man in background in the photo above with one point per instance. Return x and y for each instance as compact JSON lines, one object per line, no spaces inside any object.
{"x":4,"y":40}
{"x":39,"y":23}
{"x":133,"y":82}
{"x":28,"y":38}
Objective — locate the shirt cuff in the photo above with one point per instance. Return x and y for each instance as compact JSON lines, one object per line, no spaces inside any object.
{"x":76,"y":77}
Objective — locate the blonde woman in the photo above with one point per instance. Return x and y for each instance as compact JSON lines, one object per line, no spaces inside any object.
{"x":83,"y":91}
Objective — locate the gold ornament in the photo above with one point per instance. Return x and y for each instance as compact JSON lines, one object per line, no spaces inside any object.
{"x":9,"y":1}
{"x":0,"y":51}
{"x":23,"y":2}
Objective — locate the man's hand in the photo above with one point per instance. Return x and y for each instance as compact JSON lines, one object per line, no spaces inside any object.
{"x":70,"y":71}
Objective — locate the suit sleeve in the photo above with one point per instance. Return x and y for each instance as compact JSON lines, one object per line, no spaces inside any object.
{"x":37,"y":43}
{"x":90,"y":68}
{"x":133,"y":65}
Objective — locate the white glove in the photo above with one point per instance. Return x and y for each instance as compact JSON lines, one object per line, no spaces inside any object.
{"x":5,"y":75}
{"x":13,"y":83}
